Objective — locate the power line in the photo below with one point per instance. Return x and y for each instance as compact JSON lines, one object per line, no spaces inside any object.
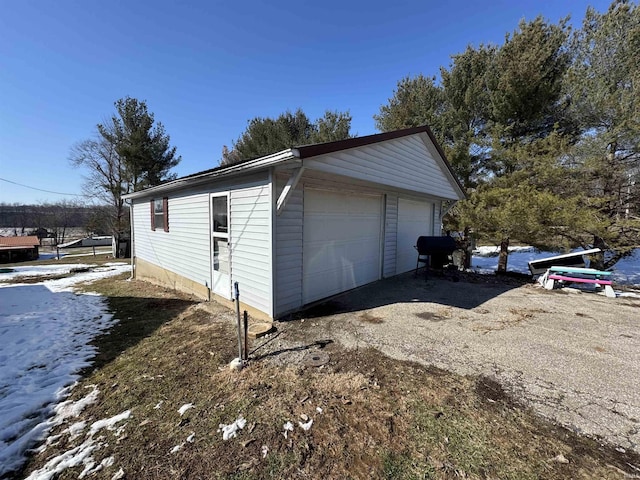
{"x":41,"y":189}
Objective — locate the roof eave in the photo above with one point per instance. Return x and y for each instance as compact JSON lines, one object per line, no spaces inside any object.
{"x":241,"y":168}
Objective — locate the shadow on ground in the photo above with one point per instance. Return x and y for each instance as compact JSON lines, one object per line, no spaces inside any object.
{"x":456,"y":289}
{"x":317,"y":345}
{"x":138,"y":318}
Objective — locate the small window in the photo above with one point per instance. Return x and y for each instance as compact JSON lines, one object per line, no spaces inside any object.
{"x":160,"y":214}
{"x":220,"y":219}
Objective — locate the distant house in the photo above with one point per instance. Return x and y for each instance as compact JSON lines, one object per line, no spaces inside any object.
{"x":15,"y":249}
{"x":296,"y":226}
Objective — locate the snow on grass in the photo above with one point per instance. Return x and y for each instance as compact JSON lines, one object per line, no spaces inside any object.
{"x":230,"y":431}
{"x":288,"y":427}
{"x":82,"y":454}
{"x":627,"y":270}
{"x":306,"y":426}
{"x":182,"y":410}
{"x":108,"y":423}
{"x":41,"y":270}
{"x":485,"y":260}
{"x":180,"y":446}
{"x":46,"y":330}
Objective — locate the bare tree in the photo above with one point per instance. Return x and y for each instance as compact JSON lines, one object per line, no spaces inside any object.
{"x":106,"y":178}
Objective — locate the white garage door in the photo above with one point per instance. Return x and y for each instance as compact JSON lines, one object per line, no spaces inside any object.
{"x":341,"y":238}
{"x":414,"y":220}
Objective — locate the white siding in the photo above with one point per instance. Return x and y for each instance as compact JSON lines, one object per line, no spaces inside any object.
{"x":288,"y":261}
{"x":250,"y":232}
{"x":415,"y":219}
{"x":408,"y":163}
{"x":437,"y":221}
{"x":184,"y":249}
{"x":390,"y":235}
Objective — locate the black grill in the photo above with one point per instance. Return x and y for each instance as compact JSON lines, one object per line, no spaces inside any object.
{"x":434,"y":252}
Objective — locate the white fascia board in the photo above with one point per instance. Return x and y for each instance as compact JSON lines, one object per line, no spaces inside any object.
{"x":246,"y":167}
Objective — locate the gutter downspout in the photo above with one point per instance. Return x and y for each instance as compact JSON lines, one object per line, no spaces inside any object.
{"x":130,"y":203}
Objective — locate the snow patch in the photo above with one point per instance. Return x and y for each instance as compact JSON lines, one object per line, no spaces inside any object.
{"x":485,"y":260}
{"x":69,"y":409}
{"x":184,"y":408}
{"x":306,"y":426}
{"x":230,"y":431}
{"x":180,"y":446}
{"x":82,"y":454}
{"x":118,"y":475}
{"x":109,"y":423}
{"x":76,"y":429}
{"x":71,"y":458}
{"x":46,"y":338}
{"x":288,"y":427}
{"x":46,"y":330}
{"x":177,"y":448}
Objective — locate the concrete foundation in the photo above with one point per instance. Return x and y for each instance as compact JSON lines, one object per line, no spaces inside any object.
{"x":151,"y":273}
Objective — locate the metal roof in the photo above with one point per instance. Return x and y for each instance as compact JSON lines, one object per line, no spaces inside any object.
{"x":19,"y":242}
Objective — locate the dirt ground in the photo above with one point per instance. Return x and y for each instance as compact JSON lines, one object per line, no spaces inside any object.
{"x":573,"y":357}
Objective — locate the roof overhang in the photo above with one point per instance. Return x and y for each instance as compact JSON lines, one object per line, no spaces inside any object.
{"x":290,"y":155}
{"x":294,"y":157}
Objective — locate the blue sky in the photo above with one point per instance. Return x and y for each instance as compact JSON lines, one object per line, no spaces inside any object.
{"x":205,"y":68}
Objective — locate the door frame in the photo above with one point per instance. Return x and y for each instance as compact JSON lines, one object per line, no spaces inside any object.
{"x":222,"y":235}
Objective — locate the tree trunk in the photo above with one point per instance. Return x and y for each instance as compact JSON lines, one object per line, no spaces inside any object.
{"x":597,"y":260}
{"x":116,"y":241}
{"x":504,"y":255}
{"x":466,"y":262}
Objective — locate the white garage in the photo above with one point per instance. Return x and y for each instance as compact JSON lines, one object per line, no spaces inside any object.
{"x":415,"y":219}
{"x":341,"y":245}
{"x":297,"y":226}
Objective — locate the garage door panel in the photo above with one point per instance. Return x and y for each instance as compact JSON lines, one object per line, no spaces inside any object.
{"x":414,"y":220}
{"x":341,"y":239}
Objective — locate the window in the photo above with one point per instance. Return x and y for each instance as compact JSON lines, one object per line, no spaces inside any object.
{"x":160,"y":214}
{"x":220,"y":219}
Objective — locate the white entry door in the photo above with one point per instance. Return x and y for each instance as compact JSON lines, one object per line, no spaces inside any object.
{"x":415,"y":219}
{"x":220,"y":245}
{"x":341,"y":242}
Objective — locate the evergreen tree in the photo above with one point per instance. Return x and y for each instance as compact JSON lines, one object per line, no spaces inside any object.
{"x":526,"y":107}
{"x":128,"y":152}
{"x":603,"y":84}
{"x":493,"y":113}
{"x":416,"y":101}
{"x":144,"y":148}
{"x":265,"y":136}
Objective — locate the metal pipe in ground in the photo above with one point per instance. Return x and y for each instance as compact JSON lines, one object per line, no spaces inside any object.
{"x":237,"y":292}
{"x":246,"y":336}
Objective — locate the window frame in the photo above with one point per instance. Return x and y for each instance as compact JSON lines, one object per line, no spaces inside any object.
{"x":164,"y":214}
{"x":214,"y":232}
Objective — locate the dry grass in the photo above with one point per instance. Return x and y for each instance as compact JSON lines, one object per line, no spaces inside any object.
{"x":381,"y":418}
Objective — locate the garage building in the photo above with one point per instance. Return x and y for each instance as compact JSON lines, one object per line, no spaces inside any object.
{"x":296,"y":226}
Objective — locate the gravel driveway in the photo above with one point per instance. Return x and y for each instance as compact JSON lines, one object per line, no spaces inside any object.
{"x":573,"y":357}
